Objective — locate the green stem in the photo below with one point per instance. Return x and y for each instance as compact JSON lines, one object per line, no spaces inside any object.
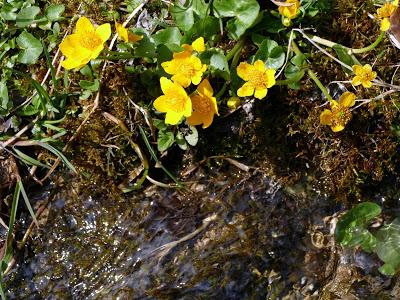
{"x":222,"y":90}
{"x":370,"y":47}
{"x":331,"y":44}
{"x":312,"y":75}
{"x":323,"y":89}
{"x":235,"y":49}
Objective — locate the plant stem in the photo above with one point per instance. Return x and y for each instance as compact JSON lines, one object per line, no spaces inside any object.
{"x":312,"y":75}
{"x":239,"y":45}
{"x":323,"y":89}
{"x":331,"y":44}
{"x":370,"y":47}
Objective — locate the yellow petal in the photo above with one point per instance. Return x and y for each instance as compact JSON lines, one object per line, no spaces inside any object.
{"x":215,"y":105}
{"x":69,"y":44}
{"x":172,"y":118}
{"x":104,"y":32}
{"x":270,"y":77}
{"x":260,"y":93}
{"x":198,"y":45}
{"x":396,"y":3}
{"x":208,"y":121}
{"x":133,"y":38}
{"x":71,"y":63}
{"x":325,"y":117}
{"x":122,"y":32}
{"x":367,"y":84}
{"x":259,"y":65}
{"x":205,"y":88}
{"x":196,"y":79}
{"x":167,"y":86}
{"x":169,"y":67}
{"x":367,"y":68}
{"x":385,"y":24}
{"x":246,"y":90}
{"x":183,"y":80}
{"x":357,"y":80}
{"x":84,"y":26}
{"x":161,"y":103}
{"x":243,"y":70}
{"x":96,"y":52}
{"x":357,"y":69}
{"x":347,"y":99}
{"x":337,"y":127}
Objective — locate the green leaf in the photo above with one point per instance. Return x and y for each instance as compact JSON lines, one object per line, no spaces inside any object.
{"x":207,"y":27}
{"x":270,"y":23}
{"x":146,"y":48}
{"x":27,"y":15}
{"x":170,"y":35}
{"x":219,"y":65}
{"x":192,"y":137}
{"x":31,"y":48}
{"x":200,"y":8}
{"x":245,"y":13}
{"x":91,"y":86}
{"x":351,"y":228}
{"x":216,"y":60}
{"x":388,"y":247}
{"x":4,"y":99}
{"x":180,"y":140}
{"x":54,"y":12}
{"x":165,"y":139}
{"x":183,"y":16}
{"x":348,"y":59}
{"x":271,"y":53}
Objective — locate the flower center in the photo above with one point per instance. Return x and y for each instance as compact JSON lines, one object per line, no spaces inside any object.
{"x":177,"y":104}
{"x":91,"y":41}
{"x":201,"y":105}
{"x":186,"y":68}
{"x":258,"y":79}
{"x":340,"y":115}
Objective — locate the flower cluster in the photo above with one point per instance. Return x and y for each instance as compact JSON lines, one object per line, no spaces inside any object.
{"x":186,"y":69}
{"x":385,"y":12}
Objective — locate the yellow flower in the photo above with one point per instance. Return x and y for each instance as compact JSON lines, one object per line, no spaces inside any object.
{"x":175,"y":102}
{"x":339,"y":114}
{"x":185,"y":68}
{"x":364,"y":75}
{"x":85,"y":44}
{"x":259,"y":79}
{"x":291,"y":11}
{"x":125,"y":35}
{"x":233,"y":102}
{"x":385,"y":12}
{"x":204,"y":105}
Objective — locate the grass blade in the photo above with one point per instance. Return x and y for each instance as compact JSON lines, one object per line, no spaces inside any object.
{"x":29,"y":160}
{"x":28,"y":204}
{"x":58,"y":153}
{"x":154,"y":156}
